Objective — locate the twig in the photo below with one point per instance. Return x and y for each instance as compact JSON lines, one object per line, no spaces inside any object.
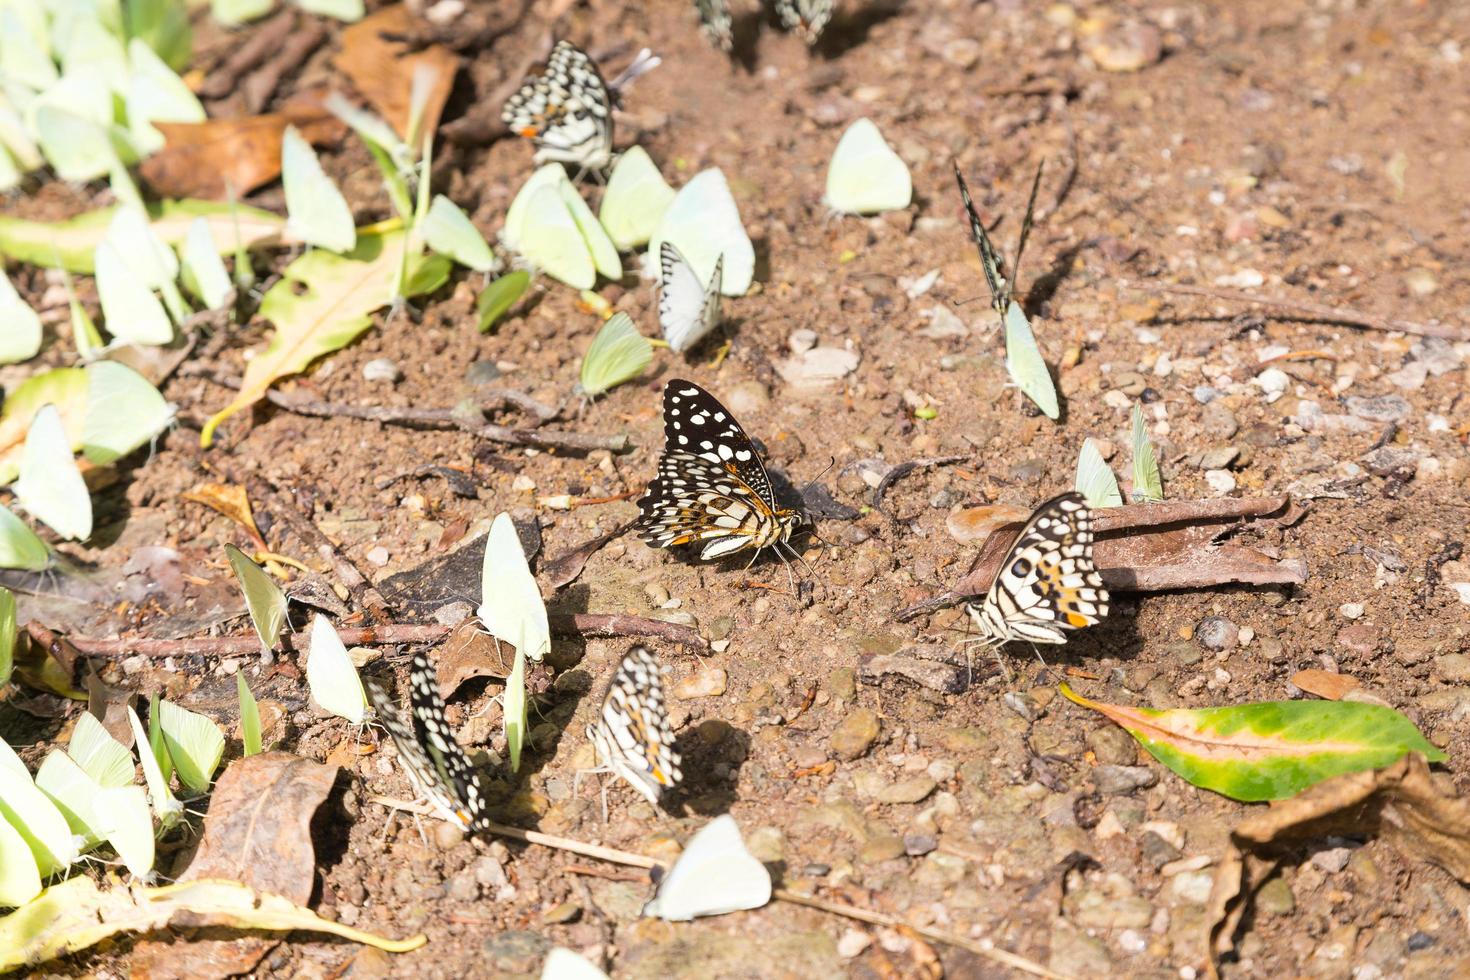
{"x":440,"y":418}
{"x":632,"y":860}
{"x":1332,"y":314}
{"x":260,"y":86}
{"x":904,"y":469}
{"x":266,"y":39}
{"x":596,"y":624}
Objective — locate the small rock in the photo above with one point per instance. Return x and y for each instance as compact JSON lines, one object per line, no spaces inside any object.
{"x":1192,"y":887}
{"x":818,"y":367}
{"x":1113,"y":746}
{"x":1204,"y":394}
{"x":1379,"y":408}
{"x":1076,"y":954}
{"x":1157,"y":851}
{"x":381,"y":369}
{"x":1218,"y":420}
{"x":855,"y":734}
{"x":1351,"y":610}
{"x":971,"y":525}
{"x":1332,"y":859}
{"x":1273,"y":382}
{"x":1217,"y":633}
{"x":947,"y":678}
{"x":1126,"y":47}
{"x":1275,"y":897}
{"x":802,"y":340}
{"x":707,"y":683}
{"x":1118,"y":780}
{"x":906,"y":790}
{"x":1392,"y":462}
{"x":1221,"y":481}
{"x":852,"y":942}
{"x":378,"y":556}
{"x":515,"y":951}
{"x":482,"y":373}
{"x":917,"y":845}
{"x":1453,"y":667}
{"x":1218,"y":459}
{"x":943,"y":323}
{"x":747,"y":398}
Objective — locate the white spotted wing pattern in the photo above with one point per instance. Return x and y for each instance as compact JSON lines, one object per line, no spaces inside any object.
{"x":687,"y":308}
{"x":711,"y":488}
{"x":436,"y":765}
{"x":566,"y":110}
{"x":632,"y":734}
{"x":806,"y":17}
{"x":715,"y":22}
{"x":1048,"y":584}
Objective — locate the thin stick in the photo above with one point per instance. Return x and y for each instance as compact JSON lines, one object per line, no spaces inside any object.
{"x":1335,"y":314}
{"x":632,"y":860}
{"x":441,"y":418}
{"x":597,"y":624}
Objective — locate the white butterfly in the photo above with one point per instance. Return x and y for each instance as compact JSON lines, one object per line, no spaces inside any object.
{"x":715,"y":874}
{"x":687,"y":308}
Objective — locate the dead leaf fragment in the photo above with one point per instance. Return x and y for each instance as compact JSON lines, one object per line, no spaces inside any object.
{"x":383,"y":70}
{"x":232,"y":501}
{"x":220,"y":157}
{"x":1402,"y":803}
{"x":469,"y":652}
{"x":1324,"y":683}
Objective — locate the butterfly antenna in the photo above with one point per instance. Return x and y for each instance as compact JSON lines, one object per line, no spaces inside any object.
{"x":643,"y":63}
{"x":1026,"y":222}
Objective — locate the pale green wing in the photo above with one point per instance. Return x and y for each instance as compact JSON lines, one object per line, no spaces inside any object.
{"x":343,"y":10}
{"x":316,"y":211}
{"x":123,"y":816}
{"x":20,"y":881}
{"x":449,"y":231}
{"x":511,"y":607}
{"x":604,"y":253}
{"x":50,"y":486}
{"x":36,"y":818}
{"x":551,"y":242}
{"x":704,"y":224}
{"x":7,"y":652}
{"x":1095,"y":479}
{"x":9,"y":760}
{"x":234,"y":12}
{"x":130,"y":311}
{"x":563,"y":964}
{"x":19,"y":546}
{"x":124,"y":412}
{"x":74,"y":794}
{"x":263,"y":598}
{"x":713,"y":875}
{"x":24,"y":50}
{"x":1148,"y":484}
{"x":866,"y":176}
{"x":331,"y":676}
{"x":618,"y":353}
{"x":169,"y":810}
{"x":635,"y":200}
{"x":20,"y":337}
{"x":102,"y":757}
{"x":194,"y":744}
{"x":201,"y":269}
{"x":515,"y":218}
{"x":249,"y":716}
{"x":86,"y":42}
{"x":1025,"y":364}
{"x":514,"y":710}
{"x":155,"y":93}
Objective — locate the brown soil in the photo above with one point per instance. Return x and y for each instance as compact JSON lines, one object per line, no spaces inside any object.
{"x":1260,"y":140}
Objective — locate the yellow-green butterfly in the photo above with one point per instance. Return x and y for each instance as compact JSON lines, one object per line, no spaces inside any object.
{"x":618,"y":353}
{"x":194,"y":744}
{"x":555,"y":232}
{"x":331,"y":676}
{"x":449,"y":231}
{"x":704,"y":224}
{"x":50,"y":486}
{"x":263,"y":599}
{"x":20,"y":340}
{"x":316,"y":211}
{"x":1095,"y":479}
{"x":866,"y":176}
{"x":1148,"y":485}
{"x":635,"y":200}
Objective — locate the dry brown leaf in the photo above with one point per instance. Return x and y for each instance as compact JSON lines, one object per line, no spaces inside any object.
{"x":1324,"y":683}
{"x":233,"y":502}
{"x":258,"y":832}
{"x":383,"y":70}
{"x":1401,"y":803}
{"x":220,"y":157}
{"x":469,"y":652}
{"x":563,"y":570}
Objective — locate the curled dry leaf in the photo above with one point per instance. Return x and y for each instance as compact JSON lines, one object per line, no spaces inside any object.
{"x":383,"y":70}
{"x":469,"y":652}
{"x":563,"y":570}
{"x":232,"y":501}
{"x":1402,"y":803}
{"x":258,"y":833}
{"x":222,"y":157}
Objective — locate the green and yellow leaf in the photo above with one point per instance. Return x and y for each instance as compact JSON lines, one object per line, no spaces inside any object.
{"x":66,"y":388}
{"x":1268,"y":750}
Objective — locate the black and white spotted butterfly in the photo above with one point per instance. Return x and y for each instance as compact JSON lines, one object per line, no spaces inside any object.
{"x":436,"y":765}
{"x":632,"y":733}
{"x":711,"y":486}
{"x":567,"y":109}
{"x":687,"y":308}
{"x":715,"y":22}
{"x":1048,"y":584}
{"x":806,"y":17}
{"x":1001,"y":289}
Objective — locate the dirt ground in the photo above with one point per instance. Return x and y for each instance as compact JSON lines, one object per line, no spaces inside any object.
{"x":1264,"y":149}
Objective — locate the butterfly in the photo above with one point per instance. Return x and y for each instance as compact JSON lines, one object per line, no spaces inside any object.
{"x":567,"y":109}
{"x":687,"y":309}
{"x":806,"y":17}
{"x":632,"y":734}
{"x":1048,"y":584}
{"x":1002,"y":290}
{"x":711,"y":485}
{"x":714,"y":21}
{"x":436,"y":765}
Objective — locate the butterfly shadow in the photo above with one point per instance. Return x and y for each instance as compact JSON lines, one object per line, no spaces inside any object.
{"x":851,"y":24}
{"x":711,"y":755}
{"x":1045,"y":286}
{"x":745,"y":28}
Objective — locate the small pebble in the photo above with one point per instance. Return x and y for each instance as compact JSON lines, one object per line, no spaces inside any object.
{"x":381,"y":369}
{"x":1351,"y":610}
{"x":852,"y":943}
{"x":1204,"y":394}
{"x":1221,"y":481}
{"x":378,"y":556}
{"x":1217,"y":633}
{"x":707,"y":683}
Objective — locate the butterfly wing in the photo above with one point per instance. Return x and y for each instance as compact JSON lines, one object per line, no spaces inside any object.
{"x":1095,"y":479}
{"x":715,"y":22}
{"x":331,"y":676}
{"x":711,"y":484}
{"x":806,"y":17}
{"x":632,"y":734}
{"x":618,"y":353}
{"x":714,"y":875}
{"x":434,"y":761}
{"x":704,"y":222}
{"x":865,"y":175}
{"x":635,"y":200}
{"x":1025,"y":364}
{"x":687,"y":310}
{"x":566,"y":110}
{"x":1048,"y":584}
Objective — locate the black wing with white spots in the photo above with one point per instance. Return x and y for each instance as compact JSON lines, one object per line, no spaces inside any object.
{"x":715,"y":22}
{"x":806,"y":17}
{"x":566,"y":110}
{"x":711,"y":485}
{"x":632,"y":733}
{"x":436,"y":765}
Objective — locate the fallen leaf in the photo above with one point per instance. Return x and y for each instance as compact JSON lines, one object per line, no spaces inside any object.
{"x":469,"y":652}
{"x":74,"y":915}
{"x":223,"y":158}
{"x":1268,"y":750}
{"x":563,"y":570}
{"x":1402,"y":803}
{"x":232,"y":501}
{"x":383,"y":70}
{"x":322,"y":302}
{"x":257,"y":833}
{"x":1324,"y":683}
